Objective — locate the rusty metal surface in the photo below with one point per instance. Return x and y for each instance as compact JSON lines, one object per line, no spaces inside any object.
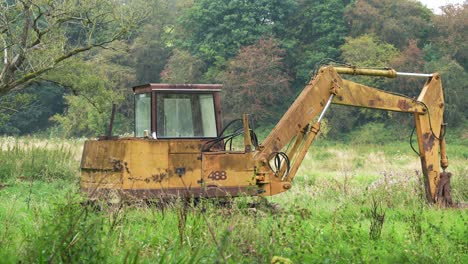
{"x":224,"y":169}
{"x":444,"y":196}
{"x":101,"y":154}
{"x":165,"y":166}
{"x":102,"y":177}
{"x":219,"y":118}
{"x":308,"y":105}
{"x":355,"y":94}
{"x":428,"y":130}
{"x":186,"y":145}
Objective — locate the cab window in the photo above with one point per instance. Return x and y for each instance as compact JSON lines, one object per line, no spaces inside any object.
{"x":142,"y":113}
{"x":185,"y":115}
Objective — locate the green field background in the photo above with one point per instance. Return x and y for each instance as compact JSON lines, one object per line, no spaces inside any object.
{"x":350,"y":203}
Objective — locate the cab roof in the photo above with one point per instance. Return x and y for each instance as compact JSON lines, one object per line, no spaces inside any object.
{"x":145,"y":88}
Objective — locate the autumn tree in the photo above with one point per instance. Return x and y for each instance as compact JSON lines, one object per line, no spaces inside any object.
{"x":256,"y":83}
{"x":411,"y":59}
{"x":37,"y":36}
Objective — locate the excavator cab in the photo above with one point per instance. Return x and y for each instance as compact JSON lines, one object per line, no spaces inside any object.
{"x":177,"y":149}
{"x":177,"y":111}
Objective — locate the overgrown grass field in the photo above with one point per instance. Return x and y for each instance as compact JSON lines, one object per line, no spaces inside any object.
{"x":350,"y":203}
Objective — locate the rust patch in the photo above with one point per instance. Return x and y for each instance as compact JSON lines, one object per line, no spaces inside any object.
{"x":403,"y":105}
{"x":428,"y":141}
{"x":372,"y":102}
{"x":116,"y":165}
{"x":430,"y":168}
{"x":154,"y":178}
{"x":275,"y":146}
{"x":126,"y":168}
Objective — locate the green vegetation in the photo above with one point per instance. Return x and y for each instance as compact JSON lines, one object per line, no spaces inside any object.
{"x":361,"y":204}
{"x":262,"y":51}
{"x":31,"y":160}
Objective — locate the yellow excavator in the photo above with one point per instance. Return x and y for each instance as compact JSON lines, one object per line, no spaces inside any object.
{"x":180,"y":148}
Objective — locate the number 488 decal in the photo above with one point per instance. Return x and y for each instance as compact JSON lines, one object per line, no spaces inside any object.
{"x":218,"y":175}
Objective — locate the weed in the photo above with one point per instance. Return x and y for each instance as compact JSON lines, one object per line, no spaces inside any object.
{"x":377,"y":217}
{"x":182,"y":220}
{"x":77,"y":237}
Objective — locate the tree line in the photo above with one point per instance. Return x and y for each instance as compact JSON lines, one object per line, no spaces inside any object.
{"x":64,"y":63}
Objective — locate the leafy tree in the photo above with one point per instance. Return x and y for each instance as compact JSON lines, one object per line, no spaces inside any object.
{"x":182,"y":67}
{"x":36,"y":36}
{"x":363,"y":51}
{"x":37,"y":103}
{"x":11,"y":105}
{"x":451,"y":32}
{"x":316,"y":30}
{"x":256,"y":83}
{"x":215,"y":30}
{"x":392,"y":21}
{"x":454,"y":81}
{"x":155,"y":41}
{"x":96,"y":85}
{"x":367,"y":51}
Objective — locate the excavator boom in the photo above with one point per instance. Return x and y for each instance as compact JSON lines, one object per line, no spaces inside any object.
{"x":299,"y":121}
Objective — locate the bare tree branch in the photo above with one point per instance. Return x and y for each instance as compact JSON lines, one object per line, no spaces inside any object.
{"x":35,"y":39}
{"x":9,"y":109}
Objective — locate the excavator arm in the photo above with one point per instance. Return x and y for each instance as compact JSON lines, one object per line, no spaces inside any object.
{"x":301,"y":123}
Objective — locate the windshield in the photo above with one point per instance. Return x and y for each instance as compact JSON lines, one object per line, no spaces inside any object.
{"x":185,"y":115}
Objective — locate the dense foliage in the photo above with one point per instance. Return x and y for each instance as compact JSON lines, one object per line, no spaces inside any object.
{"x":262,"y":51}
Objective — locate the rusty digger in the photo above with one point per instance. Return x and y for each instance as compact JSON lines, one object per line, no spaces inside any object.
{"x":181,"y":149}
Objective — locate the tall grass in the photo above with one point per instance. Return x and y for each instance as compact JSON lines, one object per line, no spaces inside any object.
{"x":347,"y":205}
{"x":33,"y":160}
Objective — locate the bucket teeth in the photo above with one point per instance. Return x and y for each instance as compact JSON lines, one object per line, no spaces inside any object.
{"x":443,"y":195}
